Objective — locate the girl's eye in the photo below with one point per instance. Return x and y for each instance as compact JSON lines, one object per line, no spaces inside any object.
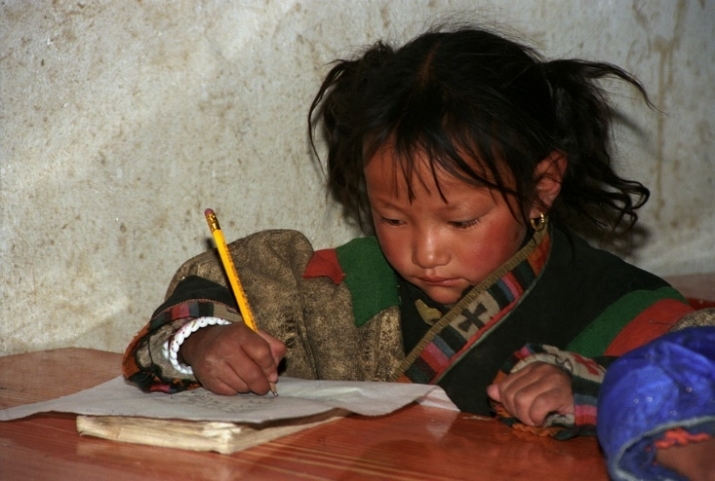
{"x":387,"y":221}
{"x":465,"y":224}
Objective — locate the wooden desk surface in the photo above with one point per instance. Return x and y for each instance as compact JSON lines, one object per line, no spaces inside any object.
{"x":700,"y":288}
{"x":415,"y":443}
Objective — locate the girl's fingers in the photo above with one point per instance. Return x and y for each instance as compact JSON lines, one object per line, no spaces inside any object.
{"x":278,"y":349}
{"x":534,"y":392}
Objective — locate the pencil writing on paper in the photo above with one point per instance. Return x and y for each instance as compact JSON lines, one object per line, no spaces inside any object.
{"x":232,"y":275}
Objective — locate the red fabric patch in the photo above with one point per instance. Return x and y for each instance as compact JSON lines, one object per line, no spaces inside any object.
{"x":590,"y":365}
{"x":700,"y":303}
{"x":649,"y":324}
{"x":679,"y":437}
{"x":324,"y":263}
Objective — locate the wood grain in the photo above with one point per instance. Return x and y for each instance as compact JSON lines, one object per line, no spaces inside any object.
{"x":415,"y":443}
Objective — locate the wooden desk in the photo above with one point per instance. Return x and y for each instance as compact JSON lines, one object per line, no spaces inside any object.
{"x":415,"y":443}
{"x":698,"y":288}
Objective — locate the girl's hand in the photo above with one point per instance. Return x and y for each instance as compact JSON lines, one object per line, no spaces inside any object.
{"x":534,"y":392}
{"x":230,"y":359}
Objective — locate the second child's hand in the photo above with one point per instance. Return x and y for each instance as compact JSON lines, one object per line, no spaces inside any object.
{"x":231,"y":359}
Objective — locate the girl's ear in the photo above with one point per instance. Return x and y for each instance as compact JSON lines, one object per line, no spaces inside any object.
{"x":548,"y":175}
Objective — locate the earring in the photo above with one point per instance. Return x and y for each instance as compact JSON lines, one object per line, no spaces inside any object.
{"x":538,"y":223}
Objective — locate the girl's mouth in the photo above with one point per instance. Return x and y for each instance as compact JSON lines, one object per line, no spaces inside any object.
{"x":437,"y":281}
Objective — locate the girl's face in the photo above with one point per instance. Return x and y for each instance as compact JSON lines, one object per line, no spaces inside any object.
{"x":440,"y":245}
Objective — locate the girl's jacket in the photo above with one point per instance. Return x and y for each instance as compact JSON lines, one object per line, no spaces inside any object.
{"x":345,"y":314}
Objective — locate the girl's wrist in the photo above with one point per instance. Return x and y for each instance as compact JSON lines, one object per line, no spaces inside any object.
{"x":179,"y":347}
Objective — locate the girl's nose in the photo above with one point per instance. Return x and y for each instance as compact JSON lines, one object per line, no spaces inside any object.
{"x":427,"y":252}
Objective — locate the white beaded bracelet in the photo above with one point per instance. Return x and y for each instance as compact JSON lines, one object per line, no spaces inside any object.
{"x":171,"y":347}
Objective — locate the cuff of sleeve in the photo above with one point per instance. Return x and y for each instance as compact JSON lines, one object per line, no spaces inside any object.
{"x":147,"y":365}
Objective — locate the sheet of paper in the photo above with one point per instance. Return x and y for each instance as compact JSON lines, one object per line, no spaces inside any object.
{"x":297,"y":398}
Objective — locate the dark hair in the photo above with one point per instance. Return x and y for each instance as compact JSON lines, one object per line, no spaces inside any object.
{"x":472,"y":94}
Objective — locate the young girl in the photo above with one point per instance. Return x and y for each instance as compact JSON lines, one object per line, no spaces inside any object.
{"x":476,"y":164}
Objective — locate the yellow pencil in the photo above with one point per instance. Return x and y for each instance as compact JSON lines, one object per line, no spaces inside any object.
{"x":232,"y":275}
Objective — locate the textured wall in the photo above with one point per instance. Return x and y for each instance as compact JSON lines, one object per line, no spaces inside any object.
{"x":122,"y":121}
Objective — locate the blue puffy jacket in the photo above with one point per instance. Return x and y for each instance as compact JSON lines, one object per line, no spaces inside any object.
{"x":668,"y":383}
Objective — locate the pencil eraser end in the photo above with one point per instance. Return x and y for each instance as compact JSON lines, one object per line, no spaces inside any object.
{"x":208,"y":212}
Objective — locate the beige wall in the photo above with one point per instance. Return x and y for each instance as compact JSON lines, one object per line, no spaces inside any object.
{"x":122,"y":121}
